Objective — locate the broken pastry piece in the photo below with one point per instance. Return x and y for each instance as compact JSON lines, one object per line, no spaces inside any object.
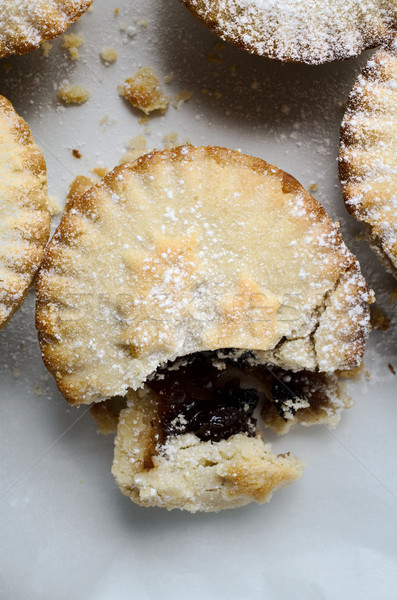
{"x":367,"y":157}
{"x":223,"y":261}
{"x":144,"y":92}
{"x":24,"y":210}
{"x":24,"y":24}
{"x":205,"y":456}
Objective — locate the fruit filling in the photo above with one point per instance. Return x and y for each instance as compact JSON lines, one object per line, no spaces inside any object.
{"x":214,"y":394}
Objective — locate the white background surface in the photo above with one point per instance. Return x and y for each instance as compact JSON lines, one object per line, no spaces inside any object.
{"x":67,"y":532}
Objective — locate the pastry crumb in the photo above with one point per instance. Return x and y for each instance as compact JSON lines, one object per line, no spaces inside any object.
{"x":168,"y":78}
{"x":55,"y":207}
{"x":100,"y":171}
{"x":116,"y":11}
{"x":72,"y":43}
{"x":75,"y":94}
{"x":105,"y":417}
{"x":108,"y":55}
{"x":46,"y":47}
{"x":391,"y":368}
{"x":171,"y":139}
{"x":136,"y":148}
{"x":180,"y":98}
{"x":379,"y":320}
{"x":144,"y":92}
{"x":76,"y":153}
{"x":313,"y":187}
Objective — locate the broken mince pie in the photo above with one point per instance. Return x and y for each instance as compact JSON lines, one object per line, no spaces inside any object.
{"x":199,"y":283}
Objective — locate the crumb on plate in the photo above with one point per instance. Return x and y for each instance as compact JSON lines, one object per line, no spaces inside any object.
{"x":144,"y":92}
{"x":72,"y":43}
{"x":73,"y":94}
{"x":108,"y":55}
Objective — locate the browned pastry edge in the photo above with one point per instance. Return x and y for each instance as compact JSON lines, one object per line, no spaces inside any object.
{"x":238,"y":41}
{"x":346,"y":169}
{"x":48,"y":31}
{"x":86,"y":204}
{"x":35,"y":164}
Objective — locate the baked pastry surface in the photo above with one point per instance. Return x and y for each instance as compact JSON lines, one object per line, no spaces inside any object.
{"x":368,"y":153}
{"x":200,"y":284}
{"x":24,"y":24}
{"x":24,"y":209}
{"x":195,"y":249}
{"x":308,"y":31}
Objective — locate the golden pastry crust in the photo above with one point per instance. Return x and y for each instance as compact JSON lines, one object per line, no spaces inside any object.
{"x":24,"y":24}
{"x":368,"y":153}
{"x":24,"y":210}
{"x":308,"y":31}
{"x":194,"y":249}
{"x":191,"y":474}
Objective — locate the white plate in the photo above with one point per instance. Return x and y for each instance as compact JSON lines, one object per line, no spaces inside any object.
{"x":67,"y":532}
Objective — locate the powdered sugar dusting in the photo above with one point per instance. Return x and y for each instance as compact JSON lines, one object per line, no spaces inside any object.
{"x":24,"y":24}
{"x":308,"y":31}
{"x":24,"y":213}
{"x":156,"y":275}
{"x":368,"y":163}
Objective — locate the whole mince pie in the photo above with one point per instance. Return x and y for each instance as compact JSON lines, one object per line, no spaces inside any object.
{"x":212,"y":292}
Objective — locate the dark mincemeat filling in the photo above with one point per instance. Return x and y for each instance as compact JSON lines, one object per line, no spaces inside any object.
{"x":197,"y":397}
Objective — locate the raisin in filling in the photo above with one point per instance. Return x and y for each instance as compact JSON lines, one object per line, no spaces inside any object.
{"x":199,"y":398}
{"x":203,"y":394}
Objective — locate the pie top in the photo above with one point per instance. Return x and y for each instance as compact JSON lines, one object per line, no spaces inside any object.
{"x":24,"y":210}
{"x":194,"y":249}
{"x":308,"y":31}
{"x":24,"y":24}
{"x":368,"y":153}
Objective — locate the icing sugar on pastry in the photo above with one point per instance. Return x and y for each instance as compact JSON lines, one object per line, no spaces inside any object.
{"x":24,"y":209}
{"x":310,"y":31}
{"x":24,"y":24}
{"x":193,"y":282}
{"x":368,"y":163}
{"x":195,"y":249}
